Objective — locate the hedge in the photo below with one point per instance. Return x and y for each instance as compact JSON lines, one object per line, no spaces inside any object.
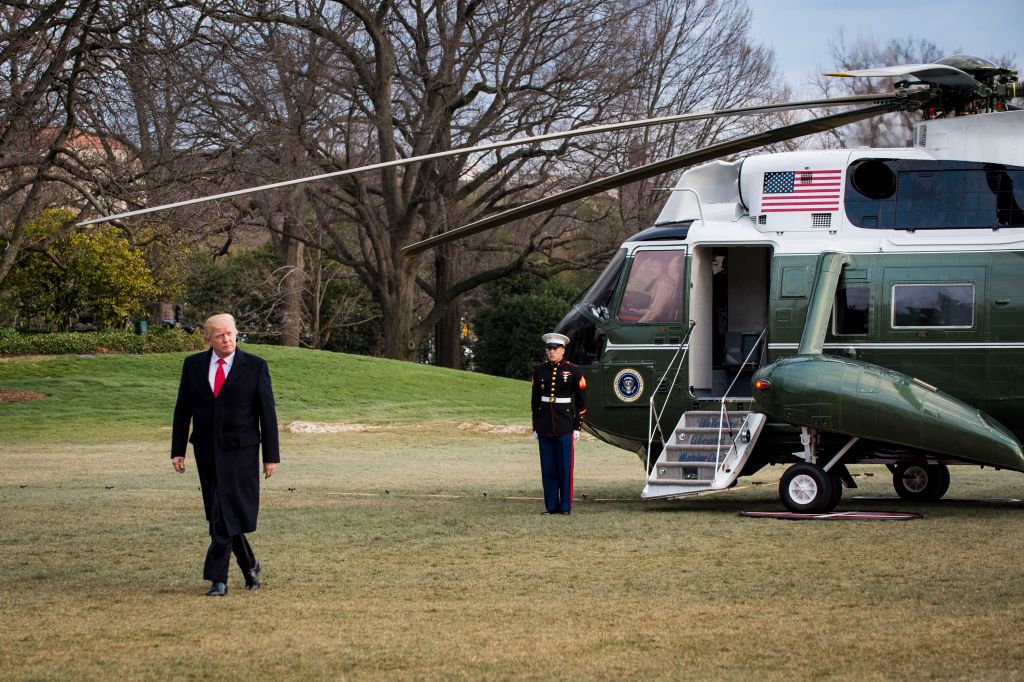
{"x":160,"y":340}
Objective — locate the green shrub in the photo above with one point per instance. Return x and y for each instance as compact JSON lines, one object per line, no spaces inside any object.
{"x":110,"y":341}
{"x":516,"y":312}
{"x":95,"y":270}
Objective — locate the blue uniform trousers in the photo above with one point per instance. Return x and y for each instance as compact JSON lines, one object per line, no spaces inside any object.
{"x":556,"y":463}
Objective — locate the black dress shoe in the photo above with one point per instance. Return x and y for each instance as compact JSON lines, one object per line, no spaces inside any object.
{"x":217,"y":589}
{"x":252,"y":578}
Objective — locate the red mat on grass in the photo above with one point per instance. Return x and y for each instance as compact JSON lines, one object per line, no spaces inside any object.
{"x":836,"y":516}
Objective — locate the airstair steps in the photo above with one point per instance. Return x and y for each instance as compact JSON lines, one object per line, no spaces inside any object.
{"x":709,"y":419}
{"x":700,"y":456}
{"x":686,"y":473}
{"x":693,"y":453}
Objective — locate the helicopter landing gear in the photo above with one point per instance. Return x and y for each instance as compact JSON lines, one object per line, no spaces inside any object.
{"x":807,"y":489}
{"x":920,"y":482}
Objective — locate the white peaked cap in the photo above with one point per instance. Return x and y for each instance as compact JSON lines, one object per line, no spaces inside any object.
{"x":560,"y":339}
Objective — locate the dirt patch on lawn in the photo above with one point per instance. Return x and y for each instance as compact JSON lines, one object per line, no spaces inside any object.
{"x":484,"y":427}
{"x":473,"y":427}
{"x":14,"y":395}
{"x":322,"y":427}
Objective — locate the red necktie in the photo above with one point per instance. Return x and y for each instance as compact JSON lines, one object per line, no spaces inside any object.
{"x":218,"y":378}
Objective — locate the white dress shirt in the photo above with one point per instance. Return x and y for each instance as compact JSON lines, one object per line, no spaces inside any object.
{"x":213,"y":367}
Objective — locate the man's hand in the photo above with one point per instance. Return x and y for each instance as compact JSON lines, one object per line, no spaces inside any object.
{"x":269,"y":468}
{"x":575,"y":435}
{"x":179,"y":464}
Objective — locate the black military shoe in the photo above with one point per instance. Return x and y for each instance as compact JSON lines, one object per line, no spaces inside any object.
{"x":217,"y":589}
{"x":252,"y":578}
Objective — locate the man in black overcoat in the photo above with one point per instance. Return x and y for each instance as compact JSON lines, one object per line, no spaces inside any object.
{"x":226,"y":395}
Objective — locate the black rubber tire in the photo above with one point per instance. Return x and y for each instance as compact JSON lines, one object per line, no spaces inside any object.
{"x":943,"y":481}
{"x":806,"y":489}
{"x":837,"y":490}
{"x":921,"y":482}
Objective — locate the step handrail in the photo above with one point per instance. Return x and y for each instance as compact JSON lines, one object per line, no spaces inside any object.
{"x":722,"y":411}
{"x":654,"y":414}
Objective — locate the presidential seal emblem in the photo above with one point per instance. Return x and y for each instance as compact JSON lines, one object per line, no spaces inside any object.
{"x":628,"y":385}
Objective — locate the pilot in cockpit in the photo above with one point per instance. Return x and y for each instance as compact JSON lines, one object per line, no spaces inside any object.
{"x":654,"y":289}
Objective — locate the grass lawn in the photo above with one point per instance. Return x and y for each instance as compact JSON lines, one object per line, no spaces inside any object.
{"x":418,"y":551}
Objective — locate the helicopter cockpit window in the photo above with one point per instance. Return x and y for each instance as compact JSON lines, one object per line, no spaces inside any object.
{"x":654,"y":290}
{"x":598,"y":298}
{"x":851,"y":312}
{"x":933,"y":305}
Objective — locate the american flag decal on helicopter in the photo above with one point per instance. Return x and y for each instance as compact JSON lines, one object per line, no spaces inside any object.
{"x":806,"y":190}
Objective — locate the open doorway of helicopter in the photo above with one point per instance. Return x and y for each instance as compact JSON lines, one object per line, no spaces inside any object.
{"x":729,"y":303}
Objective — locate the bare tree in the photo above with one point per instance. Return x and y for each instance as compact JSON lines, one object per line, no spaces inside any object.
{"x":394,"y":80}
{"x":890,"y":130}
{"x":96,"y":105}
{"x":691,"y":55}
{"x":196,"y":97}
{"x":47,"y":59}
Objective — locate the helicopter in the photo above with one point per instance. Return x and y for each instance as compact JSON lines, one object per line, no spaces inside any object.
{"x":815,"y":309}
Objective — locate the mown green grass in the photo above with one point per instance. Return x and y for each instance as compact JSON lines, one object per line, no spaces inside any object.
{"x":419,"y":553}
{"x":89,"y":395}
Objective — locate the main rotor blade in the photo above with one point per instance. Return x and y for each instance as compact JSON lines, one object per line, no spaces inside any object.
{"x":490,"y":146}
{"x":703,"y":155}
{"x":939,"y":74}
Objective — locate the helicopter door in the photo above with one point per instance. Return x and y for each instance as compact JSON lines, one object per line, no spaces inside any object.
{"x":729,"y":304}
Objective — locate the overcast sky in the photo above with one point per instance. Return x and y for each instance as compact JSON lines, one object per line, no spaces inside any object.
{"x":799,"y":30}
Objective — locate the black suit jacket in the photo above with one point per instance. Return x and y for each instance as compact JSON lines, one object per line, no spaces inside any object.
{"x":226,"y":434}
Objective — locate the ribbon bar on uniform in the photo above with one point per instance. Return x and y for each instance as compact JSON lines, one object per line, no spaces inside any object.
{"x":547,"y":399}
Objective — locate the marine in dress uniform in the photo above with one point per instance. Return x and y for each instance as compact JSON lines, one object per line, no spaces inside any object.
{"x":559,"y":401}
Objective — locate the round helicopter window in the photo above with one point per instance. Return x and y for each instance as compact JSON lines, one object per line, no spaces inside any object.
{"x":874,"y":179}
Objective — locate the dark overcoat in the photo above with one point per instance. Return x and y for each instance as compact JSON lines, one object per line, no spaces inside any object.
{"x":226,"y":435}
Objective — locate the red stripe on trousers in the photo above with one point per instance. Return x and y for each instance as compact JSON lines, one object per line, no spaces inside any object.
{"x":572,"y":467}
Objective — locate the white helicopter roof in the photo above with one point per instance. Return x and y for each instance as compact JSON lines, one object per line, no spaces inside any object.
{"x":795,"y":200}
{"x":791,"y":185}
{"x":991,"y":138}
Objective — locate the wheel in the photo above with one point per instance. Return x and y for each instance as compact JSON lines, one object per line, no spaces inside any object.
{"x":921,"y":482}
{"x":806,"y":489}
{"x":837,"y":490}
{"x":943,"y":484}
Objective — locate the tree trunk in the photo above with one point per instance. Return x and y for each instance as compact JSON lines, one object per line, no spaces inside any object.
{"x":292,"y":284}
{"x":448,"y":337}
{"x":159,"y":312}
{"x":398,"y":320}
{"x":447,"y":330}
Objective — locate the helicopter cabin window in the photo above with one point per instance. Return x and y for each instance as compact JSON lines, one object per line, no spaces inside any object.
{"x":917,"y":194}
{"x":598,"y":298}
{"x":933,"y":305}
{"x":654,"y":290}
{"x":851,"y":312}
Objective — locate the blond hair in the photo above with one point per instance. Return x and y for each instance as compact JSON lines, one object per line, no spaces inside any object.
{"x":218,"y":322}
